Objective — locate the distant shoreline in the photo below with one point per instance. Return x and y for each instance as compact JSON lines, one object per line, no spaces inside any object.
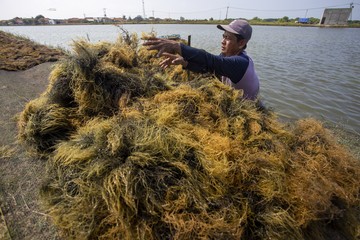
{"x":281,"y":24}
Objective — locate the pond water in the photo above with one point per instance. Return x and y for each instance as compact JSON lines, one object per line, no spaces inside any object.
{"x":304,"y":71}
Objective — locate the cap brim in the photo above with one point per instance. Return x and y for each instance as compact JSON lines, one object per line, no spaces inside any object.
{"x":226,"y":28}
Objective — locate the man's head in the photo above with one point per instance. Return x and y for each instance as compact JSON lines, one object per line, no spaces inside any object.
{"x":235,"y":37}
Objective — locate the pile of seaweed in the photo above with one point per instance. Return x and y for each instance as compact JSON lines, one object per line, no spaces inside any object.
{"x":20,"y":53}
{"x":134,"y":152}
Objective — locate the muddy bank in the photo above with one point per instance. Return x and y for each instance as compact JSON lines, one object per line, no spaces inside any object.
{"x":20,"y":175}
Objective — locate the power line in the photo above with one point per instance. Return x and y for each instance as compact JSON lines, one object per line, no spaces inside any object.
{"x":289,"y":10}
{"x":253,"y":9}
{"x":227,"y":8}
{"x":143,"y":5}
{"x":200,"y":11}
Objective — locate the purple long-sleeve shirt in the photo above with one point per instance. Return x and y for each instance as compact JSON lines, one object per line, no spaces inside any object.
{"x":237,"y":71}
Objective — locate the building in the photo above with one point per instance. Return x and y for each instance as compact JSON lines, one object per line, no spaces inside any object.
{"x":74,"y":20}
{"x":335,"y":16}
{"x":90,"y":19}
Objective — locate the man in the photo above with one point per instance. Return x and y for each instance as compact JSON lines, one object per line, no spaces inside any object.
{"x":234,"y":66}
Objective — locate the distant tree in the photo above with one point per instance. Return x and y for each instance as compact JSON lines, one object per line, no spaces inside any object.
{"x":138,"y":18}
{"x":211,"y":19}
{"x":39,"y":17}
{"x":256,"y":19}
{"x":14,"y":20}
{"x":313,"y":20}
{"x":124,"y":17}
{"x":182,"y":19}
{"x":284,"y":19}
{"x":29,"y":21}
{"x":129,"y":18}
{"x":270,"y":20}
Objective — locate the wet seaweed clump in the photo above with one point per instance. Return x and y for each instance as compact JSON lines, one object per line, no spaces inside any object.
{"x":188,"y":159}
{"x":90,"y":82}
{"x":43,"y":124}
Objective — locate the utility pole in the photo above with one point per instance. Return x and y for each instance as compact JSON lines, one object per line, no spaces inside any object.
{"x":144,"y":16}
{"x":104,"y":12}
{"x":351,"y":7}
{"x":227,"y":10}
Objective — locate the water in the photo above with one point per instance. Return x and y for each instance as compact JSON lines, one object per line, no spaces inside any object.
{"x":304,"y":71}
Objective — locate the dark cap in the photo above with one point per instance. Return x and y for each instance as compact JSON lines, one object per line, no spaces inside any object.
{"x":240,"y":27}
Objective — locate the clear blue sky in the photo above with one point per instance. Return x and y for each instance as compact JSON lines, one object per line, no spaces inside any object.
{"x":189,"y":9}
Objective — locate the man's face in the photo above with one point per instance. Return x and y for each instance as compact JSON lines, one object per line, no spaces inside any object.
{"x":230,"y":45}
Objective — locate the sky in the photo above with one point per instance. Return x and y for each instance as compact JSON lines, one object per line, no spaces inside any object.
{"x":188,"y":9}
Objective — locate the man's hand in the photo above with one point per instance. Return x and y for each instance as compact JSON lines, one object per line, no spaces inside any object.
{"x":172,"y":59}
{"x":163,"y":46}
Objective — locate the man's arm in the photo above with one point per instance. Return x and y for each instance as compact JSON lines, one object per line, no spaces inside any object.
{"x":233,"y":67}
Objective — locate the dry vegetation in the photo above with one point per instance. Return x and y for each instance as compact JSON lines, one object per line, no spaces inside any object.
{"x":19,"y":53}
{"x":133,"y":152}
